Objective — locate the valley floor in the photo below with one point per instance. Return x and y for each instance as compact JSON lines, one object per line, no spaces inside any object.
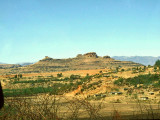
{"x":84,"y":94}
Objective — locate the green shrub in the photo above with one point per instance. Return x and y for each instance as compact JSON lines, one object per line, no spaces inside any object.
{"x":26,"y":91}
{"x":73,"y":77}
{"x":157,"y":63}
{"x":119,"y":81}
{"x":59,"y":75}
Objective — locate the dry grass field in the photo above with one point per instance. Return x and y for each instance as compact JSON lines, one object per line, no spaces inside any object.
{"x":81,"y":94}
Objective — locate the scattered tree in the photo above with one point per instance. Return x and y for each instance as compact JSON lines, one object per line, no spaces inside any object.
{"x":157,"y":64}
{"x":15,"y":76}
{"x":20,"y":75}
{"x":59,"y":75}
{"x":122,"y":70}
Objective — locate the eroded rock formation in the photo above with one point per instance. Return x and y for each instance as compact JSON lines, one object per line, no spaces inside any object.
{"x":82,"y":62}
{"x":91,"y":54}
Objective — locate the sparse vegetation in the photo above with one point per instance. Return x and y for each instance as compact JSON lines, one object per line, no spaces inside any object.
{"x":59,"y":75}
{"x":146,"y":80}
{"x":78,"y":92}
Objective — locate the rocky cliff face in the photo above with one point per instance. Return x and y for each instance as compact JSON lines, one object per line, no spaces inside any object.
{"x":91,"y":55}
{"x":46,"y":59}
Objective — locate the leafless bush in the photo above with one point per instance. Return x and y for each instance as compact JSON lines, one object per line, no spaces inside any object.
{"x":48,"y":107}
{"x":56,"y":107}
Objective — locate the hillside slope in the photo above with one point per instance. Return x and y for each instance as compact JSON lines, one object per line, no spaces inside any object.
{"x":86,"y":61}
{"x":80,"y":62}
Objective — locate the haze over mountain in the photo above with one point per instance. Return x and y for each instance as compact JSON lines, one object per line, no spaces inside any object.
{"x":145,"y":60}
{"x":25,"y":63}
{"x":7,"y":66}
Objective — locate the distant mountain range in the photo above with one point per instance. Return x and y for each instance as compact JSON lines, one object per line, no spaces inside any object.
{"x":5,"y":66}
{"x":24,"y":64}
{"x":145,"y":60}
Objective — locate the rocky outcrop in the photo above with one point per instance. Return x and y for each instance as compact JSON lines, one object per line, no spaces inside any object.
{"x":46,"y":59}
{"x":106,"y":57}
{"x":91,"y":55}
{"x":82,"y":62}
{"x":79,"y":56}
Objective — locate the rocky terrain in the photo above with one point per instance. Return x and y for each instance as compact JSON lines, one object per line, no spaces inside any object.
{"x":80,"y":62}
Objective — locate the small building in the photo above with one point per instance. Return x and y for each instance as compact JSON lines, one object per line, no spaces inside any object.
{"x":97,"y":95}
{"x":112,"y":93}
{"x":119,"y":93}
{"x":151,"y":93}
{"x":115,"y":93}
{"x":103,"y":95}
{"x":106,"y":75}
{"x":143,"y":98}
{"x":100,"y":95}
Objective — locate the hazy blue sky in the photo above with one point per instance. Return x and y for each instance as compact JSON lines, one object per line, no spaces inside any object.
{"x":32,"y":29}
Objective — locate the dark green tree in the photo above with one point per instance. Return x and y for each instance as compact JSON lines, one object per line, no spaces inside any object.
{"x":117,"y":69}
{"x":15,"y":76}
{"x":122,"y":70}
{"x":20,"y":75}
{"x":155,"y":68}
{"x":59,"y":75}
{"x":144,"y":68}
{"x":157,"y":64}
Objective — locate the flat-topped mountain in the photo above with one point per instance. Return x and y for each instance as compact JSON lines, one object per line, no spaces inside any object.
{"x":81,"y":62}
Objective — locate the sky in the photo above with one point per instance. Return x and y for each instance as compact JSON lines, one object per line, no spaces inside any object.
{"x":32,"y":29}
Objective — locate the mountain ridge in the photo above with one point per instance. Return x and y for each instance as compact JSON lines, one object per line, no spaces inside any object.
{"x":81,"y":62}
{"x":145,"y":60}
{"x":85,"y":61}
